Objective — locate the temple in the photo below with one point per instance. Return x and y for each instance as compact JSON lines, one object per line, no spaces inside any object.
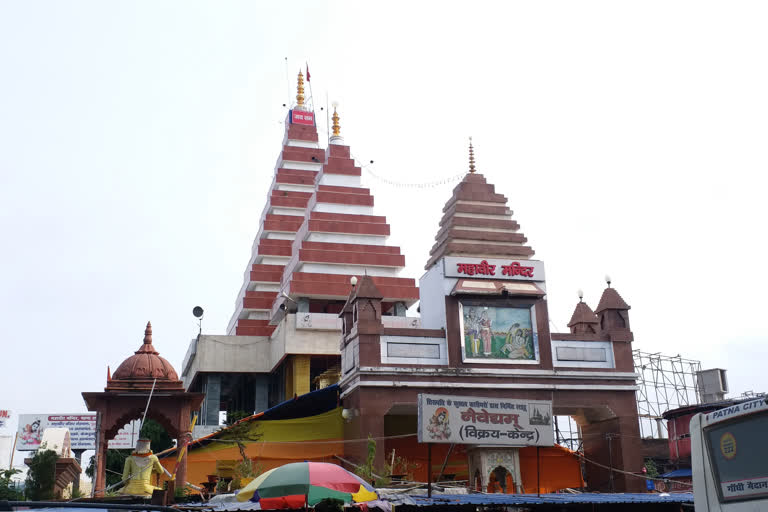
{"x":323,"y":303}
{"x":318,"y":229}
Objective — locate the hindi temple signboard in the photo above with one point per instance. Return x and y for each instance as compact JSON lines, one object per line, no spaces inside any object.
{"x":484,"y":421}
{"x":302,"y":117}
{"x":479,"y":268}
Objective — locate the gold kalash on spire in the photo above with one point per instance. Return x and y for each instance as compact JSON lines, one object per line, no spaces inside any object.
{"x":471,"y":157}
{"x":300,"y":92}
{"x":336,"y":137}
{"x":336,"y":125}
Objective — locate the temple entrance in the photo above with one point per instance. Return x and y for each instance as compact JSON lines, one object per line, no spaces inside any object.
{"x":500,"y":481}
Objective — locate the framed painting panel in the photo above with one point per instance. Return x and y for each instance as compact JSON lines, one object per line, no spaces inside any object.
{"x":498,"y":334}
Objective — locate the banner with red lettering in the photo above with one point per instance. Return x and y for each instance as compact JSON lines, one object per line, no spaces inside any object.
{"x":476,"y":420}
{"x":302,"y":117}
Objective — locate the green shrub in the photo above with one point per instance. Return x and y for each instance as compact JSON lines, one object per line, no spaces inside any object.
{"x":41,"y":476}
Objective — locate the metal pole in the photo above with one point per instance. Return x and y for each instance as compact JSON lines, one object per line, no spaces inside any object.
{"x":147,"y":407}
{"x":610,"y":461}
{"x":429,"y":470}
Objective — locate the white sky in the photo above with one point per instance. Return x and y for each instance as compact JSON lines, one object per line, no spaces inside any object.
{"x":138,"y":140}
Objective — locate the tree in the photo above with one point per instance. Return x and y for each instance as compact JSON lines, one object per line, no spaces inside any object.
{"x":242,"y":432}
{"x":8,"y":489}
{"x":367,"y":472}
{"x":155,"y":432}
{"x":41,"y":476}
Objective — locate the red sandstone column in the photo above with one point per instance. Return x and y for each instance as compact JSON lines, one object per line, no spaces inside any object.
{"x":181,"y":471}
{"x":101,"y":466}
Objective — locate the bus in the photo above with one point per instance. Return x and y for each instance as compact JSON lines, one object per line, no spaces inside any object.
{"x":729,"y":458}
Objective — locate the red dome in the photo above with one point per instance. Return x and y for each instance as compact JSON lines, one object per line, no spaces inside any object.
{"x":145,"y":363}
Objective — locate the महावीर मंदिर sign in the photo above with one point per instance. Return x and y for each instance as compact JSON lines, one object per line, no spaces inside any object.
{"x":480,"y":268}
{"x":82,"y":431}
{"x":302,"y":117}
{"x":486,"y":421}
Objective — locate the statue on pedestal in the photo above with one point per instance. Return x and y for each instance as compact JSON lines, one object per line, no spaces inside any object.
{"x":138,"y":469}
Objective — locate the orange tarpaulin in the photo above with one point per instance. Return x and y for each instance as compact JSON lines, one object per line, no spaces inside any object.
{"x":319,"y":438}
{"x":559,"y":467}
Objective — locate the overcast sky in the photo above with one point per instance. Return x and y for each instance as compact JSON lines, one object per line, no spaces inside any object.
{"x":138,"y":141}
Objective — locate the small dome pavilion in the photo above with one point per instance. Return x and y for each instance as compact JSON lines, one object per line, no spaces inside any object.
{"x":143,"y":380}
{"x":143,"y":367}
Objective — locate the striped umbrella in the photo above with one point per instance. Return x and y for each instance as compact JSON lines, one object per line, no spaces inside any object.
{"x":306,"y":483}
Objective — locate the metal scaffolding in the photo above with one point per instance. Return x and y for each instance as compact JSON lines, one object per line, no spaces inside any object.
{"x":665,"y":383}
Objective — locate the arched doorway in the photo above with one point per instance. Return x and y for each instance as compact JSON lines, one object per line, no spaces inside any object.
{"x":501,"y":481}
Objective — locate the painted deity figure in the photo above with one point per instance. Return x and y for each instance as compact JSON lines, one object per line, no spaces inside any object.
{"x":485,"y":332}
{"x":516,"y":346}
{"x":439,"y":427}
{"x":138,"y":470}
{"x":472,"y":328}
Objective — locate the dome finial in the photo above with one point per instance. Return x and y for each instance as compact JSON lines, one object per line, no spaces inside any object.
{"x":471,"y":157}
{"x":300,"y":92}
{"x":148,"y":334}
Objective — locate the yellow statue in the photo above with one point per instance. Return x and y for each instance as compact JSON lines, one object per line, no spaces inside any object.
{"x":138,"y":470}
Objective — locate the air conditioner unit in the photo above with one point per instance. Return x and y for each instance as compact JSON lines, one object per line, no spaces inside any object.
{"x":712,"y":384}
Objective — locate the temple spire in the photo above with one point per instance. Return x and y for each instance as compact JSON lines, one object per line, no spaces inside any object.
{"x":336,"y":138}
{"x":471,"y":157}
{"x":148,"y":334}
{"x":300,"y":92}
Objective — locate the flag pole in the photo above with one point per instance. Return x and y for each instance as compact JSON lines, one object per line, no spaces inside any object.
{"x":311,"y":94}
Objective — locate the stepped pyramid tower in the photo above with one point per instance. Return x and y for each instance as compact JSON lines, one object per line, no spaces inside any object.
{"x":318,"y":230}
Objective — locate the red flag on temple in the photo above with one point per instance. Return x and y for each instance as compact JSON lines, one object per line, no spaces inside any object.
{"x":307,"y":72}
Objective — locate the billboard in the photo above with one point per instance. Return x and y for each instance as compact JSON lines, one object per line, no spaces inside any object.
{"x":484,"y":421}
{"x":82,"y":431}
{"x":5,"y":416}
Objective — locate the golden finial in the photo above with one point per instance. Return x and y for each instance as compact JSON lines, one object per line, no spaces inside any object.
{"x":471,"y":157}
{"x":336,"y":126}
{"x":300,"y":91}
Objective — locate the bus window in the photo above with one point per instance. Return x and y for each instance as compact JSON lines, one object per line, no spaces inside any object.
{"x":738,"y":452}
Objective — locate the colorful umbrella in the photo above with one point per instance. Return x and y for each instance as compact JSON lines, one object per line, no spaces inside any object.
{"x":294,"y":485}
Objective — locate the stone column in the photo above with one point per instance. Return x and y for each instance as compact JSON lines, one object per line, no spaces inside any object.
{"x":614,"y":443}
{"x":185,"y":436}
{"x":181,"y":471}
{"x":79,"y":458}
{"x":101,"y":466}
